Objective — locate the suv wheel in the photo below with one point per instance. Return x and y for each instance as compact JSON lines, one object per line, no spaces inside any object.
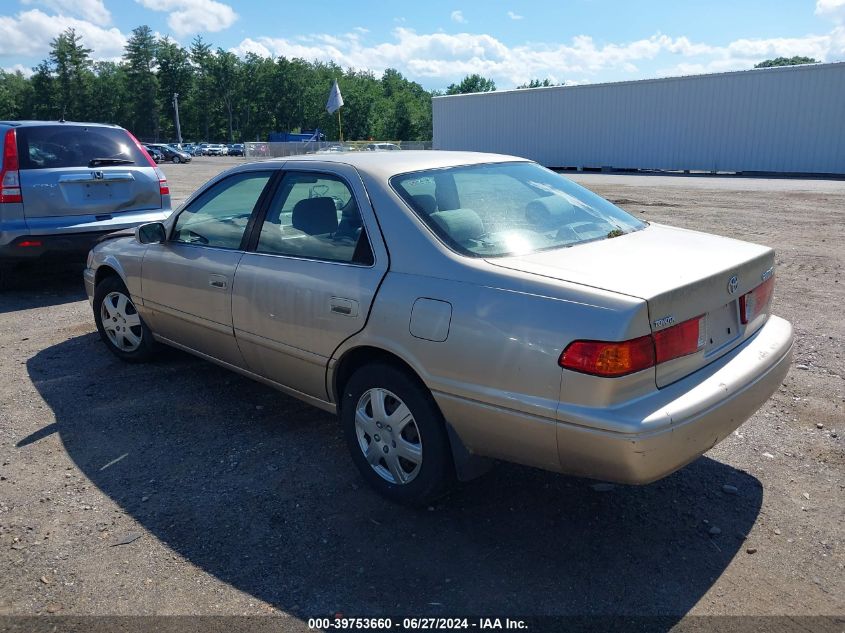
{"x":396,"y":435}
{"x":119,"y":324}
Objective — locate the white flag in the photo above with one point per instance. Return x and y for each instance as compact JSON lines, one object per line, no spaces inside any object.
{"x":335,"y":100}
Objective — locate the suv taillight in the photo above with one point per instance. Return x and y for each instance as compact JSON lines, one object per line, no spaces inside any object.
{"x":10,"y":177}
{"x":163,"y":188}
{"x":613,"y":359}
{"x":757,"y":301}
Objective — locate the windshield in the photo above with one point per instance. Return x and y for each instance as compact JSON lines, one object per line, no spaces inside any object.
{"x":500,"y":209}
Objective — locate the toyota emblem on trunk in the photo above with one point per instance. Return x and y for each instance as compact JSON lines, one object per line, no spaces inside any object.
{"x":733,"y":284}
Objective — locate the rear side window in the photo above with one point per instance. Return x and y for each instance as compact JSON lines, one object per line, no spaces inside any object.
{"x":63,"y":146}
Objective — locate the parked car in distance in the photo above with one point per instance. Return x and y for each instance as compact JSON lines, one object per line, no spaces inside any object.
{"x":154,"y":153}
{"x":236,"y":149}
{"x":381,"y":147}
{"x":66,"y":184}
{"x":214,"y":149}
{"x":171,"y":153}
{"x":200,"y":149}
{"x":454,"y":307}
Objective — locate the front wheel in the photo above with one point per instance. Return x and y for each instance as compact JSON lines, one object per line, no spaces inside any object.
{"x":396,"y":435}
{"x":176,"y":160}
{"x":119,"y":324}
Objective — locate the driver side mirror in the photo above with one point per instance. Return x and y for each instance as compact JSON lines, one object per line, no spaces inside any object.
{"x":151,"y":233}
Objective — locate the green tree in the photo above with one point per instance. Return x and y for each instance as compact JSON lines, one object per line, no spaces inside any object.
{"x":44,"y":93}
{"x":471,"y":83}
{"x":140,"y":58}
{"x":536,"y":83}
{"x":786,"y":61}
{"x":201,"y":57}
{"x":15,"y":96}
{"x":71,"y":65}
{"x":226,"y":73}
{"x":110,"y":101}
{"x":221,"y":95}
{"x":175,"y":76}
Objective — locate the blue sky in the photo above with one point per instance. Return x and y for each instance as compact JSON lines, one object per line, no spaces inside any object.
{"x":437,"y":42}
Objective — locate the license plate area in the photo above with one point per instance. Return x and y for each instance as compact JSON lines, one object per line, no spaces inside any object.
{"x":722,"y":328}
{"x":99,"y":191}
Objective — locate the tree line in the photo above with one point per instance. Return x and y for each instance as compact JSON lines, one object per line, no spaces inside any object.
{"x":222,"y":97}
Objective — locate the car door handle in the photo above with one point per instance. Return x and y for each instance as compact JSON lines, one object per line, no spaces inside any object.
{"x":345,"y":307}
{"x":217,"y":281}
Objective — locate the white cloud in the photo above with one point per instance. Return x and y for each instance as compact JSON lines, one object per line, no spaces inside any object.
{"x":834,"y":9}
{"x":514,"y":16}
{"x":30,"y":32}
{"x":26,"y":71}
{"x":91,"y":10}
{"x":441,"y":58}
{"x":458,"y":16}
{"x":194,"y":16}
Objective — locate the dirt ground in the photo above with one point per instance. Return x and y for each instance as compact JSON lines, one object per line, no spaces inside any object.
{"x":180,"y":488}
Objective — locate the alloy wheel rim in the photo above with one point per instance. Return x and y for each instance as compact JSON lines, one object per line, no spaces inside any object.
{"x":388,"y":436}
{"x":121,"y":322}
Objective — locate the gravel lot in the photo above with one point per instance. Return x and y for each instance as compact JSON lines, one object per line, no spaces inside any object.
{"x":180,"y":488}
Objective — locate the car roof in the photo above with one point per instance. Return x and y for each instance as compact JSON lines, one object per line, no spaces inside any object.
{"x":30,"y":123}
{"x":384,"y":164}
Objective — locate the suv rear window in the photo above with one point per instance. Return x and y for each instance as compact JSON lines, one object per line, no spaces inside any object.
{"x":58,"y":146}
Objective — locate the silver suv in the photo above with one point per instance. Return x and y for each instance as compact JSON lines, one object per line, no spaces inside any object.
{"x":66,"y":184}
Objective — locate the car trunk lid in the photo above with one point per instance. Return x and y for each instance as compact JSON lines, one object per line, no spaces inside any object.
{"x":681,"y":274}
{"x":69,"y":170}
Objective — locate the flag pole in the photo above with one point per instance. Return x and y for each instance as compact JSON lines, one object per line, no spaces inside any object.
{"x":339,"y":126}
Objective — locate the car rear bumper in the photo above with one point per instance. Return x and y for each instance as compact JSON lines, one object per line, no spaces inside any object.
{"x":67,"y":235}
{"x":659,"y":434}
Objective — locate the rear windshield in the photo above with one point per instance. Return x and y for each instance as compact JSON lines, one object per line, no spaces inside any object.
{"x":58,"y":146}
{"x":500,"y":209}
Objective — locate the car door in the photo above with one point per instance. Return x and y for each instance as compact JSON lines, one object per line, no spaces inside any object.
{"x":186,"y":281}
{"x":315,"y":262}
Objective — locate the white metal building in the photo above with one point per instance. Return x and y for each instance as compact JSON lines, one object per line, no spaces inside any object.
{"x":788,"y":120}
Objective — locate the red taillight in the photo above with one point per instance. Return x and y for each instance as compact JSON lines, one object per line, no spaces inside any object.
{"x":163,"y":188}
{"x":29,"y":243}
{"x":679,"y":340}
{"x":602,"y":358}
{"x":757,"y":301}
{"x":612,"y":359}
{"x":10,"y":178}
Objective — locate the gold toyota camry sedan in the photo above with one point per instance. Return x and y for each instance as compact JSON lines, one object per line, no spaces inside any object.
{"x":453,"y":309}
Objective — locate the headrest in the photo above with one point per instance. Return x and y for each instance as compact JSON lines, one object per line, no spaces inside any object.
{"x":459,"y":224}
{"x":426,"y":203}
{"x":315,"y":216}
{"x":548,"y":210}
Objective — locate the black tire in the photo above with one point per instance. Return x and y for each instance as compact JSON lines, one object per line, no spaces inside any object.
{"x":176,"y":160}
{"x":435,"y":473}
{"x":109,"y":289}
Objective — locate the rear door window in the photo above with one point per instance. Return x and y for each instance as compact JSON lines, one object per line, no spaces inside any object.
{"x":63,"y":146}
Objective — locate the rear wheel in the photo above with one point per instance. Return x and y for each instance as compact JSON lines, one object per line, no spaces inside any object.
{"x":396,"y":435}
{"x":119,"y":324}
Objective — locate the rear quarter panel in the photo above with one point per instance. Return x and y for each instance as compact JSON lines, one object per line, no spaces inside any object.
{"x":500,"y":354}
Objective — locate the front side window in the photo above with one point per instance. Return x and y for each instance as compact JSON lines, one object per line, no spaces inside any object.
{"x":219,"y":216}
{"x":315,"y":216}
{"x":501,"y":209}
